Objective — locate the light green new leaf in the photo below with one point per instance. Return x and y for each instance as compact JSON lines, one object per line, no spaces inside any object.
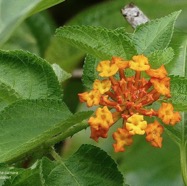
{"x":97,"y":41}
{"x":26,"y":76}
{"x":88,"y":166}
{"x":14,"y":12}
{"x":33,"y":125}
{"x":155,"y":35}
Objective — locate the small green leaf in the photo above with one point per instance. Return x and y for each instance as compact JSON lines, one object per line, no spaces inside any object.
{"x":88,"y":166}
{"x":161,"y":57}
{"x":26,"y":76}
{"x":97,"y":41}
{"x":60,"y":73}
{"x":179,"y":93}
{"x":89,"y":71}
{"x":155,"y":35}
{"x":14,"y":12}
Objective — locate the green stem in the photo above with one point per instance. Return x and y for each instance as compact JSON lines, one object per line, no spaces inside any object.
{"x":183,"y":150}
{"x":183,"y":161}
{"x":69,"y":132}
{"x":55,"y":155}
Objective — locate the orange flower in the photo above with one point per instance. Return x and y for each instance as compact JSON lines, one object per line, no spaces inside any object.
{"x":103,"y":119}
{"x":128,"y":98}
{"x":157,"y":73}
{"x":103,"y":86}
{"x":153,"y":131}
{"x":91,"y":98}
{"x":162,"y":86}
{"x":107,"y":69}
{"x":139,"y":63}
{"x":136,"y":124}
{"x":122,"y":138}
{"x":100,"y":132}
{"x":120,"y":62}
{"x":166,"y":114}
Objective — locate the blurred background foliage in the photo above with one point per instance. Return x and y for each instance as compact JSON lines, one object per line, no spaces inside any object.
{"x":141,"y":164}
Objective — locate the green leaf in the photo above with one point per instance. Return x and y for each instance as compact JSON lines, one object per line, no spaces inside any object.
{"x":161,"y":57}
{"x":89,"y":71}
{"x":23,"y":123}
{"x":22,"y":177}
{"x":94,"y":167}
{"x":26,"y":76}
{"x":179,"y":44}
{"x":155,"y":35}
{"x":39,"y":125}
{"x":28,"y":35}
{"x":88,"y":166}
{"x":99,"y":42}
{"x":14,"y":12}
{"x":47,"y":29}
{"x":60,"y":73}
{"x":179,"y":93}
{"x":107,"y":14}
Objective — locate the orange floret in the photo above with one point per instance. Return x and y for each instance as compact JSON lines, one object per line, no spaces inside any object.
{"x":103,"y":86}
{"x":120,"y":62}
{"x":103,"y":119}
{"x":166,"y":114}
{"x":153,"y":131}
{"x":136,"y":124}
{"x":139,"y":63}
{"x":107,"y":69}
{"x":162,"y":86}
{"x":157,"y":73}
{"x":91,"y":98}
{"x":122,"y":138}
{"x":95,"y":134}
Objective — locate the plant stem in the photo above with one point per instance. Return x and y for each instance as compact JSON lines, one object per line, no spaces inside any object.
{"x":55,"y":155}
{"x":183,"y":150}
{"x":183,"y":161}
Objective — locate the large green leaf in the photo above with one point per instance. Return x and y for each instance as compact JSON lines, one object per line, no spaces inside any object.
{"x":26,"y":76}
{"x":100,"y":42}
{"x":14,"y":12}
{"x":33,"y":125}
{"x":23,"y":123}
{"x":88,"y":166}
{"x":94,"y":167}
{"x":154,"y":35}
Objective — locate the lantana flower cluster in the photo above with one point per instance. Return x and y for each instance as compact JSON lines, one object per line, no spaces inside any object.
{"x":130,"y":98}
